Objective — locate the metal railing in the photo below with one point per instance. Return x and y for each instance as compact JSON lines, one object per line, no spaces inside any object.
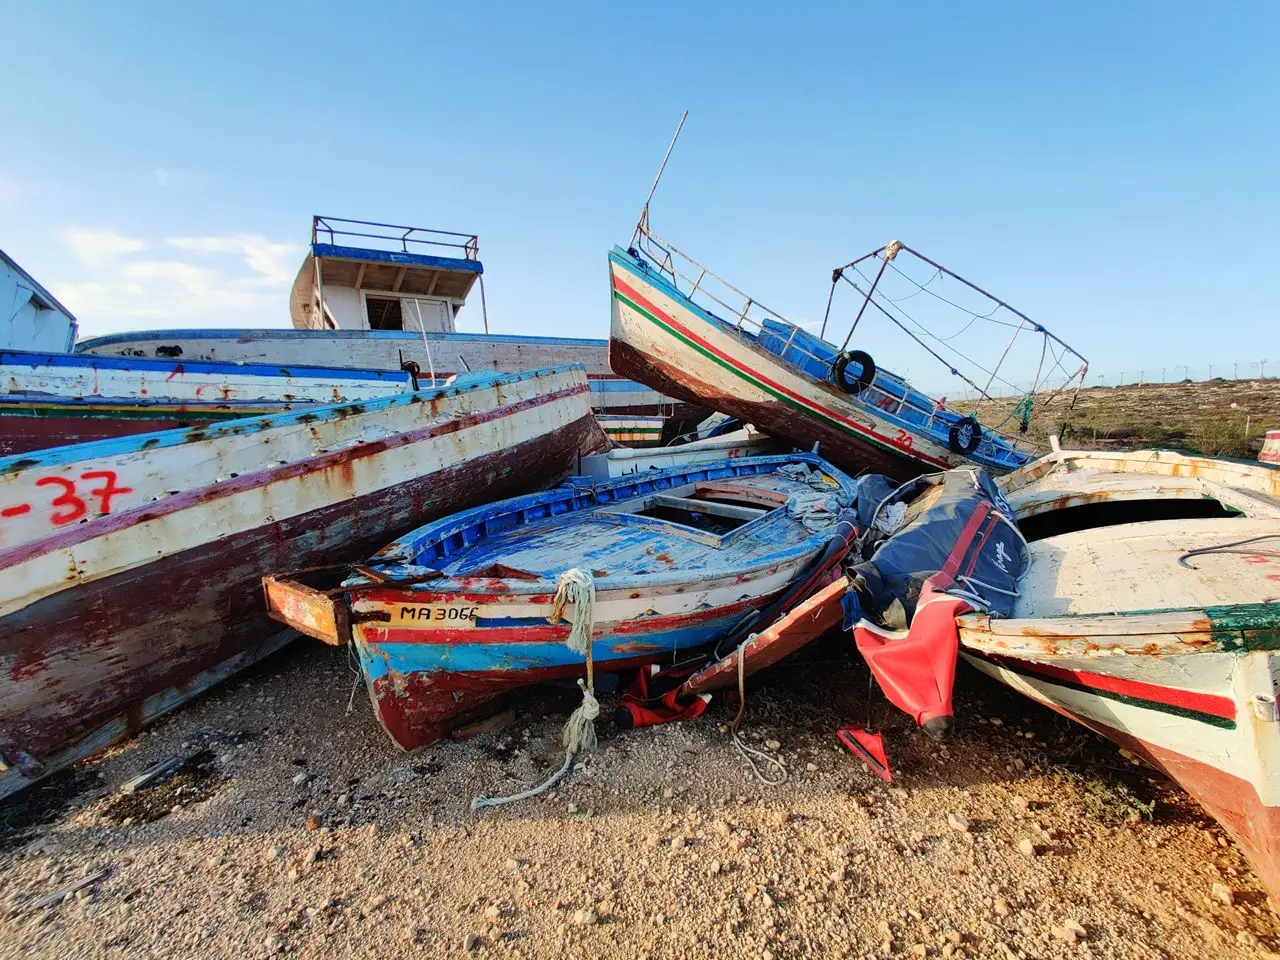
{"x":679,"y":267}
{"x":406,"y":239}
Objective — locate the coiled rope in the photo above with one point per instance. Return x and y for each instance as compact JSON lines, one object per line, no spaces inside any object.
{"x":574,"y":587}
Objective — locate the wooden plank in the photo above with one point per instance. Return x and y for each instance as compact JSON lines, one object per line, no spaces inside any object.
{"x":395,"y":286}
{"x":805,"y":622}
{"x":314,"y":613}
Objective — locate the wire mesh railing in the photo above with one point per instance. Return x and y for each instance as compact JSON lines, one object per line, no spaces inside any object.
{"x":750,"y":320}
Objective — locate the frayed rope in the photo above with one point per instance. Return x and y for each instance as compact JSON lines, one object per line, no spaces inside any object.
{"x":575,"y":587}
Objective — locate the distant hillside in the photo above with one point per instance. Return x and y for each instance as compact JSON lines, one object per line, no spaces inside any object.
{"x":1220,"y":417}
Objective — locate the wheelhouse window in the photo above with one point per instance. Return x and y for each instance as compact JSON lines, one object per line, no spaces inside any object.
{"x":384,"y":313}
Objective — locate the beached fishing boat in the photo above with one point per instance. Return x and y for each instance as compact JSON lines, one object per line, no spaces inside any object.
{"x":681,"y":329}
{"x":764,"y":369}
{"x":130,"y":569}
{"x":457,"y":613}
{"x":1138,"y":596}
{"x":373,"y":296}
{"x":632,"y":431}
{"x":53,"y":399}
{"x":1150,"y":613}
{"x":745,"y":441}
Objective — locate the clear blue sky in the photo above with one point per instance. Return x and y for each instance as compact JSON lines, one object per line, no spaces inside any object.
{"x":1112,"y":169}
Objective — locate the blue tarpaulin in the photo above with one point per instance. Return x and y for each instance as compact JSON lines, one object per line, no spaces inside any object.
{"x":962,"y":534}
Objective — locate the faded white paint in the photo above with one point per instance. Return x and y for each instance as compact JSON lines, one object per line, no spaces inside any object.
{"x":196,"y":467}
{"x":37,"y":381}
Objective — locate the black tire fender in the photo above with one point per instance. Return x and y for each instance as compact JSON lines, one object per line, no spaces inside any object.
{"x":975,"y":436}
{"x":865,"y":379}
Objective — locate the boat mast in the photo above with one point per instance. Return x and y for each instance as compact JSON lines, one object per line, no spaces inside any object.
{"x":642,"y":225}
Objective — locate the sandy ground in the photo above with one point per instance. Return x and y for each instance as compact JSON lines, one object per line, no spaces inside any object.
{"x":299,"y":830}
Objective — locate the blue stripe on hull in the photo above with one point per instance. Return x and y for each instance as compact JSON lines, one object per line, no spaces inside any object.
{"x":379,"y":659}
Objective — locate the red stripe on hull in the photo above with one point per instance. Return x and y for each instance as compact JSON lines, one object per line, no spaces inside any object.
{"x":337,"y":462}
{"x":83,"y":656}
{"x":1231,"y":801}
{"x":1207,"y":703}
{"x":772,"y":416}
{"x":756,"y":374}
{"x":23,"y":434}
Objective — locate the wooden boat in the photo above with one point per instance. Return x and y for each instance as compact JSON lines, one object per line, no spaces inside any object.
{"x":373,"y":296}
{"x":385,"y":350}
{"x":455,"y":614}
{"x":53,"y":399}
{"x":632,"y":432}
{"x":621,"y":461}
{"x":805,"y":622}
{"x":1270,"y":452}
{"x":132,"y":567}
{"x":1151,"y":615}
{"x":778,"y":376}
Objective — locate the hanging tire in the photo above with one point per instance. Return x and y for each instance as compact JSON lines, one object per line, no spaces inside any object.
{"x":964,"y":436}
{"x":865,"y":379}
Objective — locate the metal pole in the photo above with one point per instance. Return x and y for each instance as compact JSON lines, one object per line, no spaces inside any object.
{"x":644,"y":211}
{"x":484,"y":307}
{"x":884,"y":263}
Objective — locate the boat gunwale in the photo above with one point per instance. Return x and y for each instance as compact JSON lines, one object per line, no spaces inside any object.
{"x":1003,"y":451}
{"x":405,"y":552}
{"x":309,"y":414}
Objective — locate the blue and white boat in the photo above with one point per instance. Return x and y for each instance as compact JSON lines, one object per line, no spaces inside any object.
{"x":467,"y":608}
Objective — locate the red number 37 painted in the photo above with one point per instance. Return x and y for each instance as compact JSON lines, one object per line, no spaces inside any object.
{"x":68,"y":505}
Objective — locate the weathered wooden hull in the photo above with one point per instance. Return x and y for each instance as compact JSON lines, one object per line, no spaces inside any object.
{"x":632,"y":431}
{"x":1102,"y":633}
{"x":1192,"y":714}
{"x":50,"y":400}
{"x":662,"y":339}
{"x":1270,"y":452}
{"x":164,"y":583}
{"x":802,"y":624}
{"x":423,"y":681}
{"x":623,"y":461}
{"x":450,"y":353}
{"x":459,"y":612}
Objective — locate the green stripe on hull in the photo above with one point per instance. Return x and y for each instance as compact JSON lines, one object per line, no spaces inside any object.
{"x":744,"y":375}
{"x":1030,"y":675}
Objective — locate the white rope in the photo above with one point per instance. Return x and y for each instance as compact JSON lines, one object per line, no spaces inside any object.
{"x":543,"y":787}
{"x":574,"y":586}
{"x":748,"y":753}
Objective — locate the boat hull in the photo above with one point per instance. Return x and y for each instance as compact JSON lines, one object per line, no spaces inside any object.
{"x":167,"y":588}
{"x":662,"y":341}
{"x":1184,"y":703}
{"x":51,"y":400}
{"x":424,"y":682}
{"x":450,"y":353}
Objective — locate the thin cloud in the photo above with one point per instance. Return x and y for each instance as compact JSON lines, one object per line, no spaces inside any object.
{"x":97,"y":249}
{"x":232,"y":280}
{"x":277,"y":262}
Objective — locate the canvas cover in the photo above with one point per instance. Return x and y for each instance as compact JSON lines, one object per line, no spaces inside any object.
{"x":965,"y":538}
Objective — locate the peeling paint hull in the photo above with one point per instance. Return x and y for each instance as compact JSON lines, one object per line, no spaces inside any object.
{"x":1154,"y":634}
{"x":460,"y":612}
{"x":663,"y":339}
{"x":106,"y":624}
